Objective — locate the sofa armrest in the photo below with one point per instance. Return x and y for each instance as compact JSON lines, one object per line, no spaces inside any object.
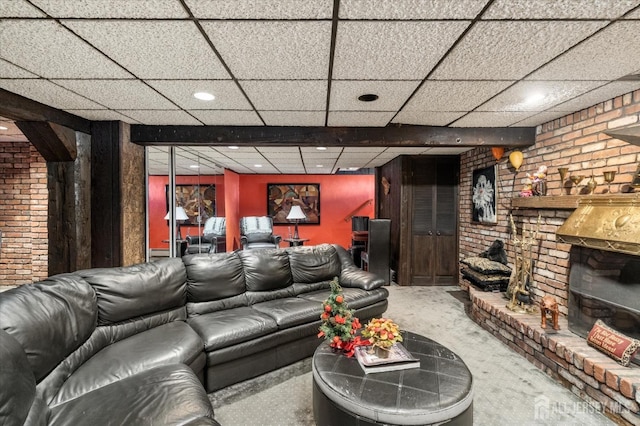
{"x":276,"y":239}
{"x":244,"y":241}
{"x":352,"y":276}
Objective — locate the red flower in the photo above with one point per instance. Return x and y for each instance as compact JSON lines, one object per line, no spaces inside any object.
{"x":340,"y":319}
{"x":327,"y":308}
{"x":339,"y":299}
{"x":324,"y":316}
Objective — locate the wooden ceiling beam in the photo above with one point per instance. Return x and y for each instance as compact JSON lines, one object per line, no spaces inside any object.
{"x":53,"y":141}
{"x":405,"y":136}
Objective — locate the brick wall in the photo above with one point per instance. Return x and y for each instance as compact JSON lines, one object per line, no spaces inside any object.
{"x":576,"y":141}
{"x":23,"y":214}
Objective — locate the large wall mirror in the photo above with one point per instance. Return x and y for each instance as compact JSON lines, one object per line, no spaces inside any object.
{"x":188,"y":182}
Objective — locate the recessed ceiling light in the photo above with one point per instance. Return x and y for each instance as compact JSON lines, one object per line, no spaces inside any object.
{"x":321,"y":148}
{"x":232,"y":147}
{"x":4,"y":128}
{"x":534,"y":98}
{"x":194,"y":166}
{"x":369,"y":97}
{"x":257,"y":165}
{"x":319,"y":165}
{"x":204,"y":96}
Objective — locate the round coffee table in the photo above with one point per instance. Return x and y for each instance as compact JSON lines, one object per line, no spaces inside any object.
{"x":440,"y":391}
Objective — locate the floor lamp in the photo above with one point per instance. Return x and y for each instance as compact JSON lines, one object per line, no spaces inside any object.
{"x":297,"y":215}
{"x":181,"y":215}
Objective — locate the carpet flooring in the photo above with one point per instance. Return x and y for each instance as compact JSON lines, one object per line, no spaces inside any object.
{"x":508,"y":390}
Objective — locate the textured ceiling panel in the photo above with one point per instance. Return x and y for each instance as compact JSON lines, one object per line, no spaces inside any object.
{"x":454,"y":95}
{"x":281,"y":95}
{"x":144,"y":9}
{"x":273,"y":50}
{"x":392,"y":50}
{"x":539,"y":117}
{"x":609,"y":55}
{"x":359,"y":119}
{"x":118,"y":94}
{"x":19,"y":9}
{"x":153,"y":49}
{"x":607,"y":91}
{"x":8,"y":70}
{"x":227,"y":118}
{"x":102,"y":115}
{"x":633,"y":15}
{"x":545,"y":9}
{"x":226,"y":92}
{"x":261,"y":9}
{"x":538,"y":95}
{"x":49,"y":94}
{"x":161,"y":117}
{"x":10,"y":132}
{"x":509,"y":50}
{"x":391,"y":95}
{"x":500,"y":119}
{"x":410,"y":9}
{"x":50,"y":50}
{"x":293,"y":118}
{"x":426,"y":118}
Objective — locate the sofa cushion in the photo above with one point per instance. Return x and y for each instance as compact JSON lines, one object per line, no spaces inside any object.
{"x":50,"y":319}
{"x":213,"y":276}
{"x":266,"y":269}
{"x":170,"y":343}
{"x":232,"y":326}
{"x":290,"y":311}
{"x":259,"y":237}
{"x":355,"y":298}
{"x":132,"y":291}
{"x":165,"y":395}
{"x":19,"y":385}
{"x":311,"y":264}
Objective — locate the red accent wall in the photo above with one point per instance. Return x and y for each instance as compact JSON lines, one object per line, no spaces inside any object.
{"x":158,"y":226}
{"x":340,"y":195}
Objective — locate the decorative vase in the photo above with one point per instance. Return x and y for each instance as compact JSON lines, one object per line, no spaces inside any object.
{"x":381,"y":352}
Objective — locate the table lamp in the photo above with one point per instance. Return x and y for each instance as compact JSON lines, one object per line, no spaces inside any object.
{"x":180,"y":216}
{"x":297,"y":215}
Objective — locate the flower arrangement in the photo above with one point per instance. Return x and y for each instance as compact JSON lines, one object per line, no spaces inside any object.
{"x":382,"y":332}
{"x":339,"y":325}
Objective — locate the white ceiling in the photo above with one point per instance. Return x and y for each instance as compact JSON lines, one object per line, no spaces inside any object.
{"x":463,"y":63}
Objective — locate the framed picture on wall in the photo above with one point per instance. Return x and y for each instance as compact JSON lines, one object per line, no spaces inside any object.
{"x":484,"y":195}
{"x":196,"y":200}
{"x":281,"y":196}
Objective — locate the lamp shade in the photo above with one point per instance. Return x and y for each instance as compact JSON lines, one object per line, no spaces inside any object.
{"x":181,"y":214}
{"x":296,"y":213}
{"x":515,"y":158}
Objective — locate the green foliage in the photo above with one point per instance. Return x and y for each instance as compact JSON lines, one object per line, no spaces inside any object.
{"x":337,"y":318}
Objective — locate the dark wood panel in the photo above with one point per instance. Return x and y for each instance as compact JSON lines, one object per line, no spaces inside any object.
{"x":422,"y":259}
{"x":447,"y":259}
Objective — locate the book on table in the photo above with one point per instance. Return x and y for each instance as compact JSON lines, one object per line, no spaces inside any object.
{"x":399,"y":359}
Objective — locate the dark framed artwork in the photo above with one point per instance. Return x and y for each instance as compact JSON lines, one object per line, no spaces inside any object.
{"x":196,"y":200}
{"x":281,"y":196}
{"x":484,"y":195}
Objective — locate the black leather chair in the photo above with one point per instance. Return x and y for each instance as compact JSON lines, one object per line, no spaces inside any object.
{"x":213,"y":238}
{"x":257,"y":232}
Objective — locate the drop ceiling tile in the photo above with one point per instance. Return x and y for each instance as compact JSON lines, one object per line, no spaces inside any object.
{"x":285,"y":150}
{"x":427,"y":118}
{"x":448,"y":150}
{"x":293,"y":118}
{"x":612,"y":53}
{"x":447,"y":96}
{"x":392,"y":50}
{"x":545,"y":9}
{"x":13,"y":138}
{"x":227,"y":93}
{"x":8,"y":70}
{"x":162,"y":117}
{"x":19,"y":9}
{"x":101,"y":115}
{"x":392,"y":94}
{"x":539,"y":118}
{"x":46,"y":48}
{"x":395,"y":151}
{"x":284,"y":95}
{"x":118,"y":94}
{"x":491,"y":119}
{"x":410,"y":9}
{"x":48,"y":93}
{"x":141,"y":9}
{"x":333,"y":151}
{"x":154,"y":49}
{"x":263,"y":9}
{"x":359,"y":118}
{"x":371,"y":150}
{"x":516,"y":97}
{"x":274,"y":49}
{"x":509,"y":50}
{"x":608,"y":91}
{"x":634,"y":15}
{"x":227,"y":117}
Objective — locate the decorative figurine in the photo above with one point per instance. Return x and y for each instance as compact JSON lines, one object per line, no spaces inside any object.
{"x":548,"y":304}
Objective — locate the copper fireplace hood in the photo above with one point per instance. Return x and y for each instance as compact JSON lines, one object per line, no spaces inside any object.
{"x":605,"y":222}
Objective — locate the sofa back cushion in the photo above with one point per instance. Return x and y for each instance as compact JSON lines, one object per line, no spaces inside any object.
{"x":50,"y":319}
{"x":213,"y":276}
{"x":312,"y":264}
{"x":132,"y":291}
{"x":266,"y":270}
{"x":215,"y":226}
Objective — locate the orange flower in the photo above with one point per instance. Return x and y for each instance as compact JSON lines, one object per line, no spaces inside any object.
{"x":339,"y":299}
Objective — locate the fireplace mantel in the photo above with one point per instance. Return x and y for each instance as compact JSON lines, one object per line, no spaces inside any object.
{"x":558,"y":202}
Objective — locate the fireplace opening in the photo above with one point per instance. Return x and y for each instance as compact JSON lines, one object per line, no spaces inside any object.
{"x":604,"y":285}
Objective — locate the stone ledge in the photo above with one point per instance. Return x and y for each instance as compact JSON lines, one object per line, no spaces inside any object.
{"x":564,"y":356}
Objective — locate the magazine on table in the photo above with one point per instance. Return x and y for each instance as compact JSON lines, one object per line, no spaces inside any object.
{"x":399,"y":359}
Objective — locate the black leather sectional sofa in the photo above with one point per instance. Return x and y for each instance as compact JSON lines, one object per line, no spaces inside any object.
{"x":135,"y":345}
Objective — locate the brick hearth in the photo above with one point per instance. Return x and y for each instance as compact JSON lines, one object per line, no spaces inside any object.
{"x":564,"y":356}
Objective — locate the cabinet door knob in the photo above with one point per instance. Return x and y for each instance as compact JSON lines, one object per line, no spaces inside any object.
{"x":438,"y":233}
{"x":430,"y":233}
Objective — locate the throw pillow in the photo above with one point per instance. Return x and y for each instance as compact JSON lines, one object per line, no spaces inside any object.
{"x":611,"y":342}
{"x":486,"y":266}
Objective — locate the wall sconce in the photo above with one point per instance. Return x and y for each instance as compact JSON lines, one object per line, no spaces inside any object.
{"x":181,"y":215}
{"x":296,"y":214}
{"x":515,"y":158}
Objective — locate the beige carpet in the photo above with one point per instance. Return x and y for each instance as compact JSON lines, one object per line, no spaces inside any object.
{"x":508,"y":389}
